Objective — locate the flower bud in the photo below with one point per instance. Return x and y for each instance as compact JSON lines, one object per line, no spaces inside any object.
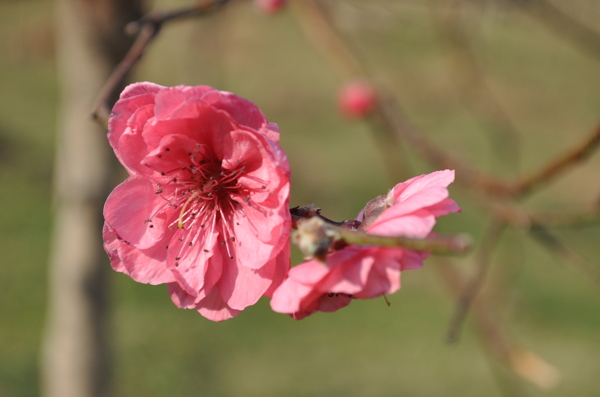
{"x":270,"y":6}
{"x":356,"y":99}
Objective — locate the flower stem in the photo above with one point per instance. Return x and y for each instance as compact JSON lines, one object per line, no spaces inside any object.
{"x":441,"y":245}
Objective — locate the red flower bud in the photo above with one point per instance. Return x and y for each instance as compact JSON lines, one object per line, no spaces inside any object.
{"x":270,"y":6}
{"x":356,"y":99}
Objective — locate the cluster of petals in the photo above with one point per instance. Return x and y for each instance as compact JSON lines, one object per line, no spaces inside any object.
{"x":362,"y":272}
{"x":205,"y":207}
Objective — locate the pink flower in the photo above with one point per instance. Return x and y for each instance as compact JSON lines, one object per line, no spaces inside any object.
{"x":205,"y":208}
{"x":361,"y":272}
{"x":356,"y":99}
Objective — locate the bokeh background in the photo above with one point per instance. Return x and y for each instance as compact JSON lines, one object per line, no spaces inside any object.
{"x":548,"y":86}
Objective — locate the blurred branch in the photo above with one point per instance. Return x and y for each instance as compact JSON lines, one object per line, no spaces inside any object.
{"x":315,"y":21}
{"x":146,"y":28}
{"x":563,"y":251}
{"x":390,"y":125}
{"x":473,"y":286}
{"x":472,"y":82}
{"x":559,"y":164}
{"x":522,"y":362}
{"x":317,"y":25}
{"x":569,"y":219}
{"x":467,"y":175}
{"x":562,"y":24}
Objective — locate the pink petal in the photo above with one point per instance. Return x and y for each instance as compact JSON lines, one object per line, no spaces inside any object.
{"x":435,"y":179}
{"x":132,"y":98}
{"x":190,"y":264}
{"x":329,"y":303}
{"x":240,"y":109}
{"x":444,"y":207}
{"x":171,"y":98}
{"x":215,"y":308}
{"x":282,"y":267}
{"x":384,"y":277}
{"x":128,"y":209}
{"x":259,"y":236}
{"x":309,"y":272}
{"x":196,"y":120}
{"x":140,"y":89}
{"x":416,"y":201}
{"x":416,"y":226}
{"x":172,"y":154}
{"x":241,"y":286}
{"x":289,"y":296}
{"x":349,"y":270}
{"x":144,"y":266}
{"x":412,"y":260}
{"x":180,"y":298}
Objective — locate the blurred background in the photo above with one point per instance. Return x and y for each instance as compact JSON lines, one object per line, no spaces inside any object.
{"x":522,"y":92}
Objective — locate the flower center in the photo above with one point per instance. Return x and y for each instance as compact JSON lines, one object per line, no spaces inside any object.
{"x":202,"y":197}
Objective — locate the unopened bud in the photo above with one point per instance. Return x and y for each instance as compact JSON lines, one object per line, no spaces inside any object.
{"x":270,"y":6}
{"x":314,"y":238}
{"x":374,"y":208}
{"x":356,"y":99}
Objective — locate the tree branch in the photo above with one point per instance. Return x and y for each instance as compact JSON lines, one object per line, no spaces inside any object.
{"x":147,"y":28}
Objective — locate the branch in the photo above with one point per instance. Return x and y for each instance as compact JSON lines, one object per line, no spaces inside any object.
{"x":472,"y":83}
{"x":318,"y":27}
{"x":147,"y":28}
{"x":388,"y":119}
{"x":316,"y":236}
{"x":562,"y":250}
{"x":467,"y":175}
{"x":560,"y":164}
{"x":522,"y":362}
{"x":473,"y":286}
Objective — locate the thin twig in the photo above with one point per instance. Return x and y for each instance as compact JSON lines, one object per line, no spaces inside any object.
{"x":522,"y":362}
{"x":316,"y":232}
{"x":473,"y":286}
{"x":147,"y":28}
{"x":467,"y":175}
{"x":319,"y":28}
{"x":396,"y":128}
{"x":473,"y":84}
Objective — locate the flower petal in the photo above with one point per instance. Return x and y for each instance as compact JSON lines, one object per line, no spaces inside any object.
{"x":215,"y":308}
{"x":131,"y":210}
{"x":132,"y":98}
{"x":144,"y":266}
{"x":415,"y":225}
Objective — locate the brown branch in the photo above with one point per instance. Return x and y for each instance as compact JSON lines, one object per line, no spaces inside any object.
{"x":560,"y":164}
{"x":147,"y":28}
{"x":473,"y":286}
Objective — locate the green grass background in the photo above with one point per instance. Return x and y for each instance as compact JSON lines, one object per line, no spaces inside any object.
{"x":549,"y":88}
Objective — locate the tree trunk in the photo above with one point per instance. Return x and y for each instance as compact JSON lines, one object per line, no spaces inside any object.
{"x":91,"y":41}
